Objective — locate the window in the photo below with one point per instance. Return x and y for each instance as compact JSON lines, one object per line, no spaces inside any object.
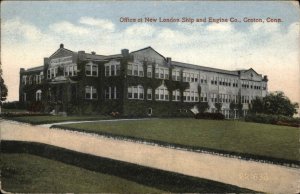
{"x":24,"y":79}
{"x":111,"y":93}
{"x":149,"y":94}
{"x":149,"y":71}
{"x":70,"y":70}
{"x":91,"y":69}
{"x":25,"y":97}
{"x":39,"y":78}
{"x":38,"y":95}
{"x":203,"y":79}
{"x":176,"y":74}
{"x":161,"y":73}
{"x":135,"y":69}
{"x":90,"y":92}
{"x":136,"y":92}
{"x":162,"y":93}
{"x":214,"y":80}
{"x":112,"y":68}
{"x":176,"y":95}
{"x":52,"y":72}
{"x":203,"y":97}
{"x":190,"y":96}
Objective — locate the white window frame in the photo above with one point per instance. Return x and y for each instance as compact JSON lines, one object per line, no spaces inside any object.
{"x":149,"y":71}
{"x":70,"y":70}
{"x":38,"y":95}
{"x":91,"y":90}
{"x":136,"y":66}
{"x":149,"y":92}
{"x":162,"y":73}
{"x":52,"y":72}
{"x":112,"y":66}
{"x":162,"y":93}
{"x":91,"y":67}
{"x":139,"y":90}
{"x":176,"y":74}
{"x":176,"y":95}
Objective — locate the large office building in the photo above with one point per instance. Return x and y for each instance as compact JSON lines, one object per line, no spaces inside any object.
{"x":138,"y":83}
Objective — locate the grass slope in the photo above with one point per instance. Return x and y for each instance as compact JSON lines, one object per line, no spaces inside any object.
{"x":233,"y":136}
{"x":22,"y":172}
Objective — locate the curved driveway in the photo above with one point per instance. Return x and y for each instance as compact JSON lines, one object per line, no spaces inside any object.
{"x":248,"y":174}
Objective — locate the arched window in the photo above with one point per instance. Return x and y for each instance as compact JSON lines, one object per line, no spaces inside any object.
{"x":38,"y":95}
{"x":162,"y":93}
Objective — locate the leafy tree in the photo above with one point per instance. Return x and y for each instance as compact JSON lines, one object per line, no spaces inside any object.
{"x":275,"y":103}
{"x":3,"y":89}
{"x":202,"y":106}
{"x":218,"y":106}
{"x":256,"y":106}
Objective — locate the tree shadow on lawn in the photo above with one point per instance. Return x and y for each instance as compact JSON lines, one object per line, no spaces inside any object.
{"x":163,"y":180}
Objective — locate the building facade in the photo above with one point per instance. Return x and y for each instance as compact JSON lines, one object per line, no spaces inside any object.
{"x":138,"y":83}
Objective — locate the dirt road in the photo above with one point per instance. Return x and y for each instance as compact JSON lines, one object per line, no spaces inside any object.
{"x":248,"y":174}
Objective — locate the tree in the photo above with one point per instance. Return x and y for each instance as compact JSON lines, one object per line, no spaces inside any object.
{"x":3,"y":88}
{"x":218,"y":106}
{"x":256,"y":106}
{"x":202,"y":106}
{"x":275,"y":103}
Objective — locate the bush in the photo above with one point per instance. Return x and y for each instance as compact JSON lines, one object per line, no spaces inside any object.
{"x":273,"y":119}
{"x":22,"y":114}
{"x":14,"y":105}
{"x":207,"y":115}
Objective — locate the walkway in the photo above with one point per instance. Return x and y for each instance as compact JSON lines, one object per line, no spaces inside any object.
{"x":92,"y":121}
{"x":248,"y":174}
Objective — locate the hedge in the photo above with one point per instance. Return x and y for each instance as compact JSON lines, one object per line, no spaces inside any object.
{"x":207,"y":115}
{"x":273,"y":119}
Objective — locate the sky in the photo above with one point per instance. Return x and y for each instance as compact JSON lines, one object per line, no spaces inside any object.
{"x":32,"y":30}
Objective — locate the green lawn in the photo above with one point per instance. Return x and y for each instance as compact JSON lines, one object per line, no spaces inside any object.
{"x":36,"y":120}
{"x":237,"y":136}
{"x":28,"y":174}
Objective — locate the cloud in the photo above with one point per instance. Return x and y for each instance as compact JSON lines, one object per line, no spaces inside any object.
{"x":68,"y":28}
{"x":221,"y":27}
{"x":99,"y":23}
{"x":15,"y":30}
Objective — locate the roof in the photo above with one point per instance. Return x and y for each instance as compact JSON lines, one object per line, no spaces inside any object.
{"x":149,"y":47}
{"x":39,"y":68}
{"x":203,"y":68}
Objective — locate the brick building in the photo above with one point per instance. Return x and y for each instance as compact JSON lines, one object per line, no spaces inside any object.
{"x":138,"y":83}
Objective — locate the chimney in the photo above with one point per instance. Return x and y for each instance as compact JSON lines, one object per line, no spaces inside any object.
{"x":93,"y":52}
{"x":61,"y":45}
{"x":22,"y":70}
{"x":169,"y":59}
{"x":125,"y":52}
{"x":265,"y":78}
{"x":81,"y":55}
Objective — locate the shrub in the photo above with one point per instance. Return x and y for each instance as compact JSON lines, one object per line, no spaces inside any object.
{"x":273,"y":119}
{"x":207,"y":115}
{"x":22,"y":114}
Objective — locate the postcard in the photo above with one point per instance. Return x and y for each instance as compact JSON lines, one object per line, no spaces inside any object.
{"x":150,"y":96}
